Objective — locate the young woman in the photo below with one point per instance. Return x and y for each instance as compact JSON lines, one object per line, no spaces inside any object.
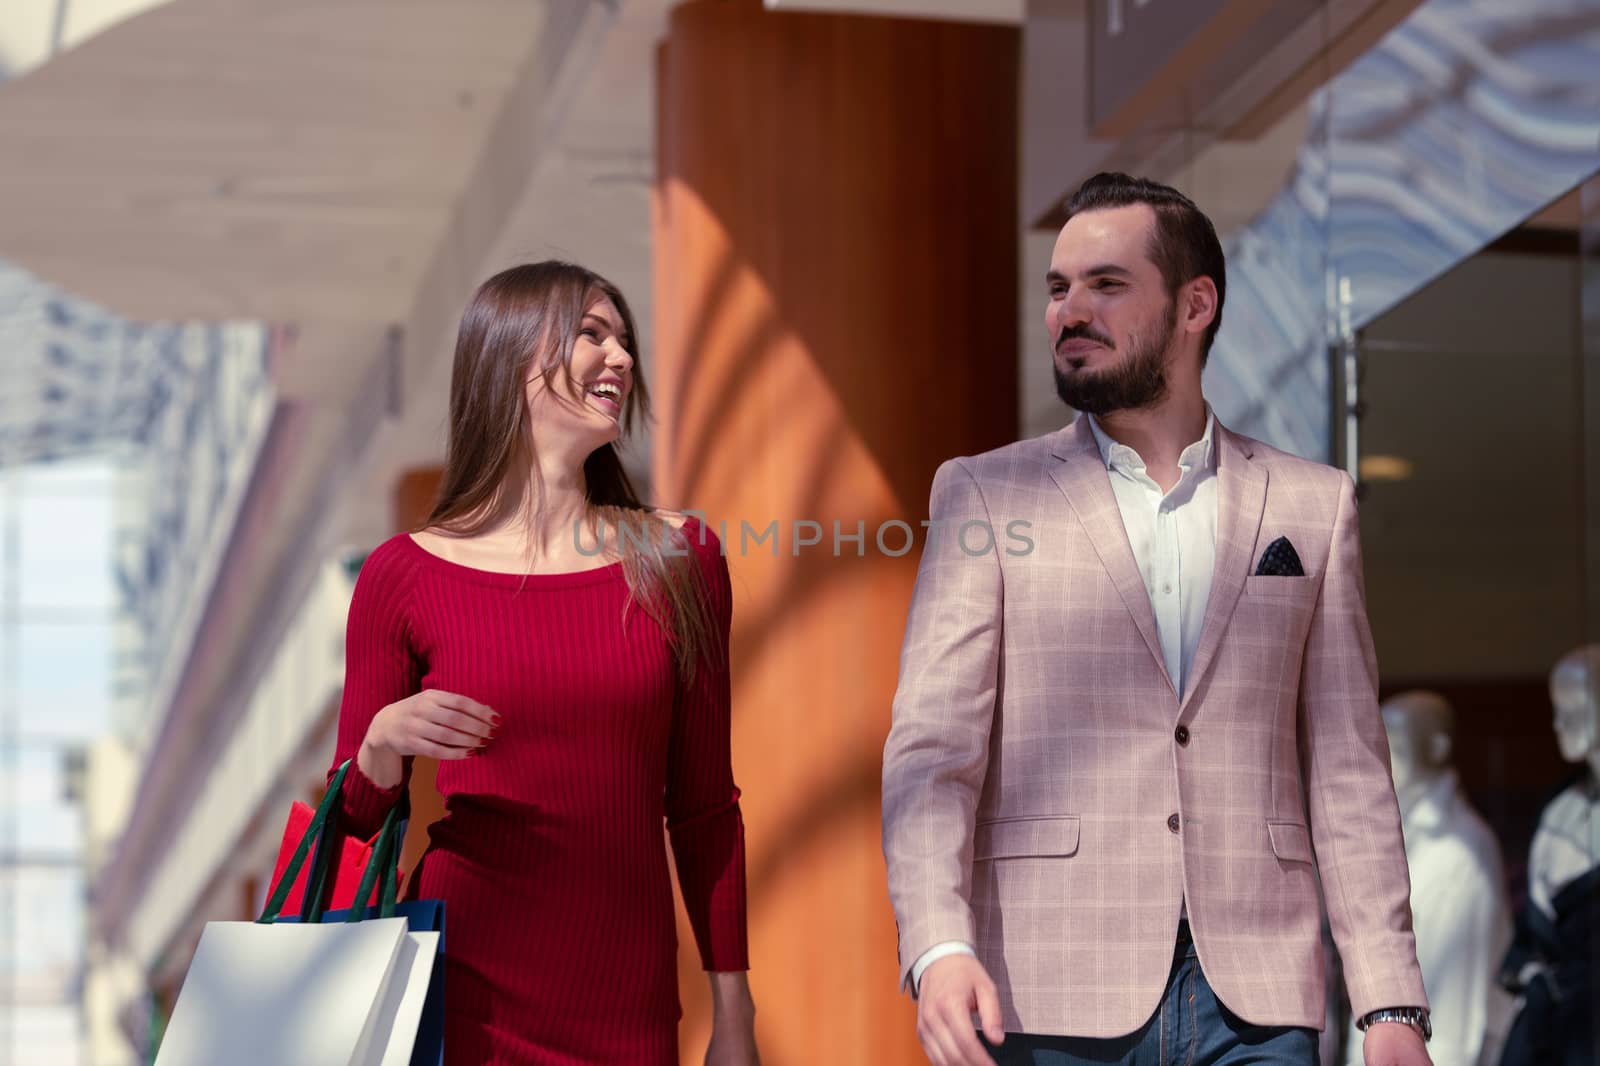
{"x":562,"y":650}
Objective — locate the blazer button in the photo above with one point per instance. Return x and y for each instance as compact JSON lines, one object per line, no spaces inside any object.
{"x":1182,"y":734}
{"x":1174,"y":823}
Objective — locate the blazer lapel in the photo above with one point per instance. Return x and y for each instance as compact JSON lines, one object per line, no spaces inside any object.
{"x":1241,"y":498}
{"x":1080,"y":472}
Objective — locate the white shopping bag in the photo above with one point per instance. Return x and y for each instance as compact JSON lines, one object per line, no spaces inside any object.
{"x":400,"y":1013}
{"x":280,"y":994}
{"x":305,"y":991}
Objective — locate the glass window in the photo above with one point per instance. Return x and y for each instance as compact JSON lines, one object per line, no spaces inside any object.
{"x":84,"y":477}
{"x":57,"y":631}
{"x":66,"y":539}
{"x":64,"y":679}
{"x":44,"y":904}
{"x":43,"y":1035}
{"x":46,"y":824}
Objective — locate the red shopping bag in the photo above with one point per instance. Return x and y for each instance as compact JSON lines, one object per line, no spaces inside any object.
{"x":345,"y":870}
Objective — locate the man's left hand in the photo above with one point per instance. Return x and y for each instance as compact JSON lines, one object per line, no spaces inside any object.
{"x":732,"y":1045}
{"x":1395,"y":1044}
{"x":733,"y":1021}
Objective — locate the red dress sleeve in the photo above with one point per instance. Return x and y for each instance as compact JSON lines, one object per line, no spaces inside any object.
{"x":380,"y":668}
{"x":702,"y":802}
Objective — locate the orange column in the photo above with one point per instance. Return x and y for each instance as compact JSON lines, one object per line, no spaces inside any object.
{"x":835,"y":255}
{"x":414,"y":493}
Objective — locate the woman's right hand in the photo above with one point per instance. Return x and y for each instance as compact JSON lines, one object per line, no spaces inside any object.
{"x":440,"y":725}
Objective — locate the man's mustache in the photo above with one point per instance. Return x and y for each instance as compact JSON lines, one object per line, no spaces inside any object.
{"x":1075,"y":333}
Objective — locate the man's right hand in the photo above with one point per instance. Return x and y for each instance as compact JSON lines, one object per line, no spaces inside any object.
{"x":952,"y":990}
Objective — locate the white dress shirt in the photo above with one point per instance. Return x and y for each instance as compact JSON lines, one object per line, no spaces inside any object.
{"x":1174,"y":540}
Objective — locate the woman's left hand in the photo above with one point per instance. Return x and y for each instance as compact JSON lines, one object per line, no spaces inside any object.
{"x":733,"y":1022}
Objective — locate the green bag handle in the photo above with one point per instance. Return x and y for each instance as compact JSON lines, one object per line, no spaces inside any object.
{"x":381,"y":864}
{"x":313,"y":833}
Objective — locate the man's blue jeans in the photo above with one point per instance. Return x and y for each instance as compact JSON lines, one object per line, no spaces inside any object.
{"x":1191,"y":1028}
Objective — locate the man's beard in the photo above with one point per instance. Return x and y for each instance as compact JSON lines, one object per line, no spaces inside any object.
{"x":1137,"y":381}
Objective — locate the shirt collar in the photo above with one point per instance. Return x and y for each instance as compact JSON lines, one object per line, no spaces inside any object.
{"x":1202,"y":454}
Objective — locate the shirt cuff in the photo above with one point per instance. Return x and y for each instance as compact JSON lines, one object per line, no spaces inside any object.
{"x":933,"y":955}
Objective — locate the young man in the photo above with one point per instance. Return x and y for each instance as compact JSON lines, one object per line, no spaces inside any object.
{"x":1120,"y":761}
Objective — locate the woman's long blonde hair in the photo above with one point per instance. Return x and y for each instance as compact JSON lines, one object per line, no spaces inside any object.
{"x":526,"y":320}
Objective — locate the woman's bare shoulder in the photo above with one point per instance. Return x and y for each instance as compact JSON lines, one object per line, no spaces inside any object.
{"x":431,"y":539}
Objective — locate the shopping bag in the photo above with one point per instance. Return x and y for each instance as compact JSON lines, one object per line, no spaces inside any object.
{"x":410,"y":1019}
{"x":350,"y":992}
{"x":268,"y":995}
{"x":421,"y":1012}
{"x":349,"y":861}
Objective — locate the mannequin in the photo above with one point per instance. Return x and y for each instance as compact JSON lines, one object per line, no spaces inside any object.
{"x":1552,"y":964}
{"x":1458,"y":899}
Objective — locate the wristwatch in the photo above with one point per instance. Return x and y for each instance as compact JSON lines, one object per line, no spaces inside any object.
{"x":1416,"y":1017}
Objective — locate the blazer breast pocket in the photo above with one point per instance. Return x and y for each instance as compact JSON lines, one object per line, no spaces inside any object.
{"x":1047,"y":837}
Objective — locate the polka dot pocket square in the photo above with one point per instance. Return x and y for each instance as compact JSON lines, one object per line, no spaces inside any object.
{"x":1280,"y":560}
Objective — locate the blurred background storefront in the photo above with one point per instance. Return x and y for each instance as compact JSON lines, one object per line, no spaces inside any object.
{"x":235,"y":238}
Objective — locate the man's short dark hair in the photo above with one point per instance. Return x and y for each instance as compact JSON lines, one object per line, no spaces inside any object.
{"x":1183,"y":245}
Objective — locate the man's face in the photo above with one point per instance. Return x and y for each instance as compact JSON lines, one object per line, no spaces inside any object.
{"x":1110,"y":317}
